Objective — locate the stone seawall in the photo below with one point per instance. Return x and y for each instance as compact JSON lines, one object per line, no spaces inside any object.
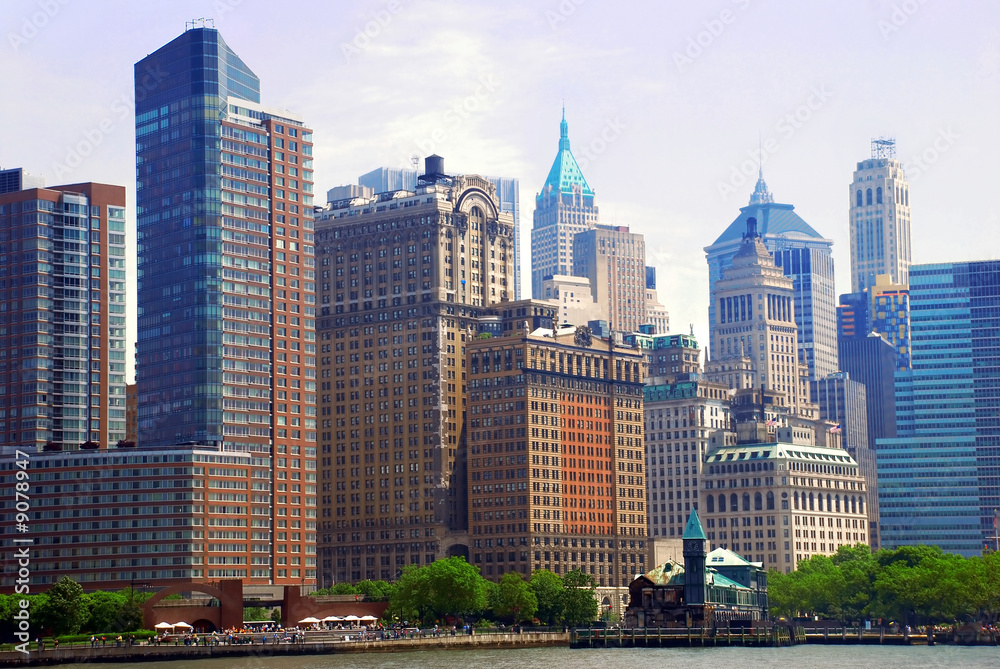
{"x":155,"y":653}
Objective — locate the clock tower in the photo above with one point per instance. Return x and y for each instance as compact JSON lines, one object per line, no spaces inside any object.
{"x":694,"y":561}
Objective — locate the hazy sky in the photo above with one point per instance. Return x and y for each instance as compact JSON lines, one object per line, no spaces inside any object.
{"x":664,"y":100}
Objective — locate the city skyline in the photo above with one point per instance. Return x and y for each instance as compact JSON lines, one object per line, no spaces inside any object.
{"x":641,"y":112}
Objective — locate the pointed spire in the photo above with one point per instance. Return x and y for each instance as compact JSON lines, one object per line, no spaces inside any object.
{"x":694,"y":529}
{"x":760,"y":192}
{"x":563,"y":131}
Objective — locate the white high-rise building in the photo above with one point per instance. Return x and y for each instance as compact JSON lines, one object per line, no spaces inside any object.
{"x":880,"y":219}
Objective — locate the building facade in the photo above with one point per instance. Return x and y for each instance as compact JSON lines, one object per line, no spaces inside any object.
{"x":781,"y":503}
{"x":62,"y":316}
{"x":843,"y":401}
{"x":564,"y":207}
{"x":753,"y":321}
{"x":879,"y":219}
{"x":555,"y":455}
{"x":804,"y":256}
{"x":405,"y":279}
{"x":388,"y":179}
{"x":226,"y":352}
{"x":939,"y":479}
{"x":109,"y":518}
{"x":889,"y":315}
{"x":613,"y":259}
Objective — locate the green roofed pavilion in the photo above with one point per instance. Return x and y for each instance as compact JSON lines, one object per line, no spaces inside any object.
{"x":566,"y":172}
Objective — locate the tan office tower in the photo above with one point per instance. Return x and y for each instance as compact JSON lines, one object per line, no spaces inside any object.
{"x":555,"y":455}
{"x":880,"y":219}
{"x":614,"y":260}
{"x":404,"y":276}
{"x":754,"y":325}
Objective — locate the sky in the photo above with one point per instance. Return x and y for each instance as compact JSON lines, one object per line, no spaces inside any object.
{"x":666,"y":102}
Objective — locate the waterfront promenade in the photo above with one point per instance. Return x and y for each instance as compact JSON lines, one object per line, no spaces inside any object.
{"x":313,"y":645}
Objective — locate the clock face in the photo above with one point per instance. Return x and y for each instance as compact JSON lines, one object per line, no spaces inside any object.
{"x":694,"y":545}
{"x":583,"y":337}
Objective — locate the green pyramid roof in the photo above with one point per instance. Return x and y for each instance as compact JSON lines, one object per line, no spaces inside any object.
{"x":694,"y":529}
{"x":566,"y":172}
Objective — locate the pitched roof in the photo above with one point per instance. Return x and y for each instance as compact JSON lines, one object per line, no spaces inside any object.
{"x":773,"y":220}
{"x":694,"y":529}
{"x":566,"y":172}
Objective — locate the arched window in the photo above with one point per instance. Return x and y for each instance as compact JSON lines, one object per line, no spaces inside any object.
{"x":746,"y":501}
{"x":819,"y":502}
{"x":770,"y":501}
{"x":829,"y":502}
{"x":722,"y":503}
{"x":758,"y":502}
{"x":861,"y":504}
{"x":859,"y":197}
{"x":711,"y":504}
{"x":734,"y":502}
{"x":796,"y":499}
{"x":838,"y":503}
{"x":812,"y":506}
{"x":878,"y":195}
{"x":868,"y":196}
{"x":854,"y":505}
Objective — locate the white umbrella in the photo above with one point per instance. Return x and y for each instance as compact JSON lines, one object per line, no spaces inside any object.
{"x":183,"y":624}
{"x":330,"y":619}
{"x":351,"y":617}
{"x":309,"y":621}
{"x":164,"y":626}
{"x":369,"y":617}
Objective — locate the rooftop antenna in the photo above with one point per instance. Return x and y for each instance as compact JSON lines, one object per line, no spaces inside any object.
{"x":884,"y":147}
{"x":199,"y":23}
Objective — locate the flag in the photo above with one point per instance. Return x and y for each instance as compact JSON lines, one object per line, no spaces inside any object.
{"x":771,"y":423}
{"x":835,"y":429}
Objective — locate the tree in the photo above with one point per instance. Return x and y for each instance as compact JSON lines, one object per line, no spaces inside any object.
{"x":103,"y":610}
{"x":65,"y":610}
{"x":256,"y":613}
{"x":512,"y":600}
{"x":374,"y":591}
{"x":450,"y":586}
{"x":579,"y":605}
{"x":548,"y":590}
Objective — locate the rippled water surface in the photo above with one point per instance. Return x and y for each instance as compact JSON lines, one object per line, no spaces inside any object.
{"x":799,"y":657}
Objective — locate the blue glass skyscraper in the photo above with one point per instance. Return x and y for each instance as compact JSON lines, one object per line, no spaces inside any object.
{"x":939,"y":479}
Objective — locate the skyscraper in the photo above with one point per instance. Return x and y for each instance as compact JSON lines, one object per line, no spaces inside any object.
{"x":753,"y":320}
{"x":614,"y":260}
{"x":804,"y":256}
{"x":557,"y":467}
{"x":889,"y":315}
{"x":405,"y":279}
{"x":564,"y":207}
{"x":940,"y":477}
{"x":62,"y":315}
{"x":387,"y":179}
{"x":879,"y":218}
{"x":226,"y":348}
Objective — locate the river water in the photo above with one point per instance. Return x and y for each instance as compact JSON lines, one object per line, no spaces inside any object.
{"x":798,"y":657}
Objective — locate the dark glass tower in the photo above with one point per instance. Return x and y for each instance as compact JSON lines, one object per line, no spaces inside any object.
{"x":227,"y":332}
{"x":181,"y":95}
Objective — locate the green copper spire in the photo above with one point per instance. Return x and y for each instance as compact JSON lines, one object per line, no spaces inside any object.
{"x":565,"y":172}
{"x":694,"y":529}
